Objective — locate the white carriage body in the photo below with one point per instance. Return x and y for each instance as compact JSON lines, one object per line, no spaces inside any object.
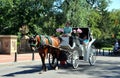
{"x":83,"y":50}
{"x":72,"y":51}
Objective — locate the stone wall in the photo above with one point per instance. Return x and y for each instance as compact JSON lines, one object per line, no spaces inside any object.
{"x":8,"y":44}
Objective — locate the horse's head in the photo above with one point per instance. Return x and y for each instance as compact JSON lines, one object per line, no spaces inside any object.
{"x":33,"y":43}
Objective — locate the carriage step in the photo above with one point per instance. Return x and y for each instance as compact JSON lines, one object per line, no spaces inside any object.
{"x":80,"y":57}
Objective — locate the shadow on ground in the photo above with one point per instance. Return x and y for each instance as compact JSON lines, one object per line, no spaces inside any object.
{"x":102,"y":69}
{"x":28,"y":70}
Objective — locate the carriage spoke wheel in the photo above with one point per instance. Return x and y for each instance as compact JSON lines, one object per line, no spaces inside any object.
{"x":53,"y":62}
{"x":75,"y":59}
{"x":92,"y":55}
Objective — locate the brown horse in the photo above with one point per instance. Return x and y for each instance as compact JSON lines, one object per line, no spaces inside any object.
{"x":45,"y":45}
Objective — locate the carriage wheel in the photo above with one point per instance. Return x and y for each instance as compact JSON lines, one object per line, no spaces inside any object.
{"x":53,"y":62}
{"x":75,"y":59}
{"x":92,"y":55}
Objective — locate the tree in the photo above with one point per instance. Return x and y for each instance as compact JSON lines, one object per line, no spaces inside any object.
{"x":115,"y":22}
{"x":76,"y":12}
{"x":16,"y":13}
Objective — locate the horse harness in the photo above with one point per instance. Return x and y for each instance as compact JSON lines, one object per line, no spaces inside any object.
{"x":43,"y":43}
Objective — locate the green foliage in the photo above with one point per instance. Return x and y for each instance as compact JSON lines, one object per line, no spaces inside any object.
{"x":76,"y":12}
{"x":100,"y":43}
{"x":118,"y":35}
{"x":45,"y":16}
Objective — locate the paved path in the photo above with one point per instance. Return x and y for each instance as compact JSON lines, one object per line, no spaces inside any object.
{"x":105,"y":67}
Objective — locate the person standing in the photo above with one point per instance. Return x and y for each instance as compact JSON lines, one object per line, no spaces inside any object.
{"x":116,"y":45}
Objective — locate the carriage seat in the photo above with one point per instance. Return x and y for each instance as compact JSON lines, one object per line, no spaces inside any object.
{"x":67,"y":43}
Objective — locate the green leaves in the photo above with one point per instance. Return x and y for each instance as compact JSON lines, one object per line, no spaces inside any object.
{"x":45,"y":16}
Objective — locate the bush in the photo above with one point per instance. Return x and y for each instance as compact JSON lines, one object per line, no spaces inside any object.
{"x":104,"y":43}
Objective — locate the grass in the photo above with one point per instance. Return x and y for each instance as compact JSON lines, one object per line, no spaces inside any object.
{"x":107,"y":48}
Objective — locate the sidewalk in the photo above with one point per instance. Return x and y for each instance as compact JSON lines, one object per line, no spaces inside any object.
{"x":5,"y":58}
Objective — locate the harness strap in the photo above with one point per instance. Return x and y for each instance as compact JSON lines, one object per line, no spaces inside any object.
{"x":41,"y":41}
{"x":49,"y":39}
{"x":34,"y":45}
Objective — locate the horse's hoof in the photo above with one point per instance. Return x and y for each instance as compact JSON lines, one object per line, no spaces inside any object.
{"x":56,"y":68}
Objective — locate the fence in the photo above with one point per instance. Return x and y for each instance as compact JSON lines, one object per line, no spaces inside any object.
{"x":104,"y":52}
{"x":32,"y":56}
{"x":35,"y":55}
{"x":16,"y":57}
{"x":99,"y":52}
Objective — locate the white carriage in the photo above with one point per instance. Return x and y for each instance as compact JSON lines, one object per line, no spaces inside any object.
{"x":76,"y":51}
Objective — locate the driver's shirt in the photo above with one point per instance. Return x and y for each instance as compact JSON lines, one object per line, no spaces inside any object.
{"x":67,"y":30}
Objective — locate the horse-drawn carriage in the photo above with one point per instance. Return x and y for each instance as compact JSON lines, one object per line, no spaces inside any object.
{"x":67,"y":49}
{"x":73,"y":51}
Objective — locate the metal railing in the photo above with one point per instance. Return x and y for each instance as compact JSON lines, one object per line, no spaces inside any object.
{"x":32,"y":56}
{"x":104,"y":52}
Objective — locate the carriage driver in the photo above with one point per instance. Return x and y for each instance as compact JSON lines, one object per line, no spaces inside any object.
{"x":67,"y":29}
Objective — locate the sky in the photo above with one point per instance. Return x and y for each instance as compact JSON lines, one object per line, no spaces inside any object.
{"x":115,"y":4}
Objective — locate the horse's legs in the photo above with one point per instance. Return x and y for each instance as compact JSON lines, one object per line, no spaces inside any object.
{"x":42,"y":55}
{"x":56,"y":68}
{"x":54,"y":65}
{"x":55,"y":56}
